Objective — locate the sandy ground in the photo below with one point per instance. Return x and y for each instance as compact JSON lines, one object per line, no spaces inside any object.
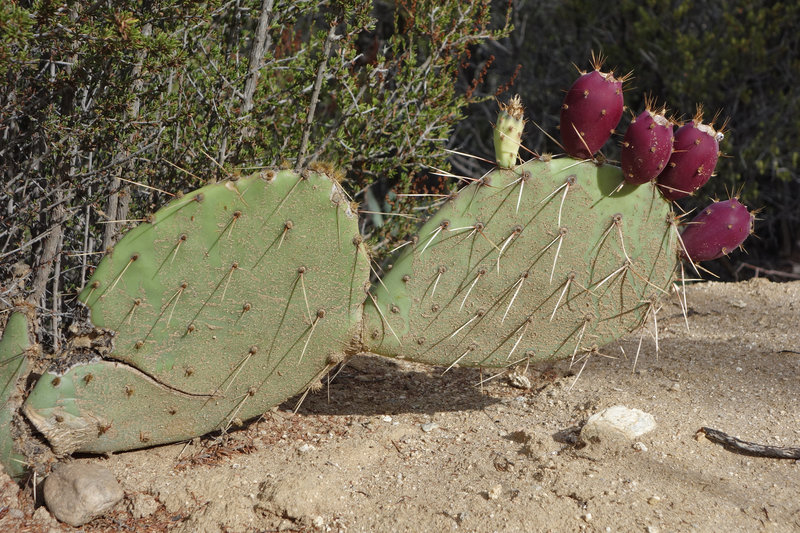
{"x":392,"y":446}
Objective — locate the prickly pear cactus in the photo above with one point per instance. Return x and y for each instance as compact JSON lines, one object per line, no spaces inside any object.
{"x":228,"y":301}
{"x":14,"y":364}
{"x":241,"y":294}
{"x":552,"y":258}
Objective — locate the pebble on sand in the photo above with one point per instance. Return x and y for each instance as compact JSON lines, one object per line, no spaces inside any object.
{"x":75,"y":493}
{"x":617,"y":422}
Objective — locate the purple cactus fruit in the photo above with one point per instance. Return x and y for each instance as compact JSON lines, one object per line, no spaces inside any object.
{"x":591,"y":110}
{"x":717,"y":230}
{"x":647,"y":145}
{"x":694,"y":156}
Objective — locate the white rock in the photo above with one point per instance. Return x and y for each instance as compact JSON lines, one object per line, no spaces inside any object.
{"x":617,"y":421}
{"x":76,"y":493}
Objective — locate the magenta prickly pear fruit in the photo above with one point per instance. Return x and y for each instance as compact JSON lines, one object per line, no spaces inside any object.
{"x":591,"y":110}
{"x":717,"y":230}
{"x":647,"y":145}
{"x":694,"y":155}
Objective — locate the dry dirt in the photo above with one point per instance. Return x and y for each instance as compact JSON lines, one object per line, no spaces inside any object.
{"x":392,"y":446}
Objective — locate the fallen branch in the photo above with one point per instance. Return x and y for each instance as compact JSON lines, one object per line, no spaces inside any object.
{"x":749,"y":448}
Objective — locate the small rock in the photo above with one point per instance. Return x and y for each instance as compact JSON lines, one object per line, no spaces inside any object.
{"x":653,"y":500}
{"x":41,"y":515}
{"x":639,"y":446}
{"x":76,"y":493}
{"x":617,"y":421}
{"x":519,"y":380}
{"x":494,"y":492}
{"x":430,"y":426}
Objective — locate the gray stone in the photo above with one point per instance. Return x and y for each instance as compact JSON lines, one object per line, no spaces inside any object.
{"x":617,"y":422}
{"x":76,"y":493}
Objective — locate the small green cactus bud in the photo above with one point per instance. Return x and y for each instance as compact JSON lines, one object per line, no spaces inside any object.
{"x":508,"y":133}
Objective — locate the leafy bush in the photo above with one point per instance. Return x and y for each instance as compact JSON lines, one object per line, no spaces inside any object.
{"x":112,"y":106}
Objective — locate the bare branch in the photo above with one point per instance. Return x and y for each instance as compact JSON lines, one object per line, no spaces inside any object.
{"x":312,"y":107}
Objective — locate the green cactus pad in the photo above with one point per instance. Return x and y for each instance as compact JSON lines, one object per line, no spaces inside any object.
{"x":14,"y":364}
{"x":107,"y":406}
{"x":228,"y":301}
{"x":545,"y":261}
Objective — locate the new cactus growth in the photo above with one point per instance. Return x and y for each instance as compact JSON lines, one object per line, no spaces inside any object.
{"x":694,"y":157}
{"x":647,"y":145}
{"x":591,"y":111}
{"x":718,"y":230}
{"x":508,"y":132}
